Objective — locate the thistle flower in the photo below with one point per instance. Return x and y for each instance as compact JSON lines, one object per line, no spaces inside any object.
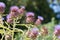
{"x":57,"y":30}
{"x":30,"y":17}
{"x":33,"y":33}
{"x":44,"y":31}
{"x":14,"y":9}
{"x":9,"y":19}
{"x":21,"y":10}
{"x":2,"y":7}
{"x":30,"y":14}
{"x":39,"y":20}
{"x":8,"y":37}
{"x":13,"y":14}
{"x":23,"y":7}
{"x":29,"y":20}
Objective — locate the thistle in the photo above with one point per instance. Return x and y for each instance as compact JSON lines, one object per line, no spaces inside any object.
{"x":44,"y":31}
{"x":33,"y":33}
{"x":39,"y":20}
{"x":2,"y":7}
{"x":30,"y":17}
{"x":8,"y":37}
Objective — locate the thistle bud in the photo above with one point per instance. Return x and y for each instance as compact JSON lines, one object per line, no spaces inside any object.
{"x":8,"y":37}
{"x":30,"y":14}
{"x":21,"y":11}
{"x":44,"y":31}
{"x":9,"y":19}
{"x":39,"y":20}
{"x":57,"y":30}
{"x":14,"y":9}
{"x":30,"y":17}
{"x":2,"y":7}
{"x":33,"y":33}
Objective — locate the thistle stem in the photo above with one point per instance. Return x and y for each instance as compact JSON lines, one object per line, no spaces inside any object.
{"x":13,"y":29}
{"x":1,"y":21}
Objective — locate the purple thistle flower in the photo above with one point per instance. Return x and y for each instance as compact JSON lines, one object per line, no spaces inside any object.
{"x":38,"y":22}
{"x":2,"y":7}
{"x":57,"y":30}
{"x":9,"y":19}
{"x":30,"y":17}
{"x":29,"y":14}
{"x":57,"y":27}
{"x":33,"y":33}
{"x":30,"y":20}
{"x":8,"y":16}
{"x":44,"y":31}
{"x":21,"y":11}
{"x":14,"y":8}
{"x":41,"y":18}
{"x":59,"y":37}
{"x":35,"y":30}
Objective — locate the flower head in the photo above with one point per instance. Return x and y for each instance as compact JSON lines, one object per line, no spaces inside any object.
{"x":29,"y":20}
{"x":14,"y":8}
{"x":57,"y":27}
{"x":35,"y":30}
{"x":2,"y":7}
{"x":38,"y":22}
{"x":44,"y":31}
{"x":33,"y":33}
{"x":9,"y":19}
{"x":8,"y":37}
{"x":41,"y":18}
{"x":2,"y":4}
{"x":30,"y":17}
{"x":21,"y":11}
{"x":29,"y":14}
{"x":57,"y":30}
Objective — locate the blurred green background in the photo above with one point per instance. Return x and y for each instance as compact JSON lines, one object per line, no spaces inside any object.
{"x":39,"y":7}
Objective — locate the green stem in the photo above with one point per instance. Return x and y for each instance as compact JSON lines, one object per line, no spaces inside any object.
{"x":1,"y":21}
{"x":13,"y":29}
{"x":54,"y":37}
{"x":2,"y":37}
